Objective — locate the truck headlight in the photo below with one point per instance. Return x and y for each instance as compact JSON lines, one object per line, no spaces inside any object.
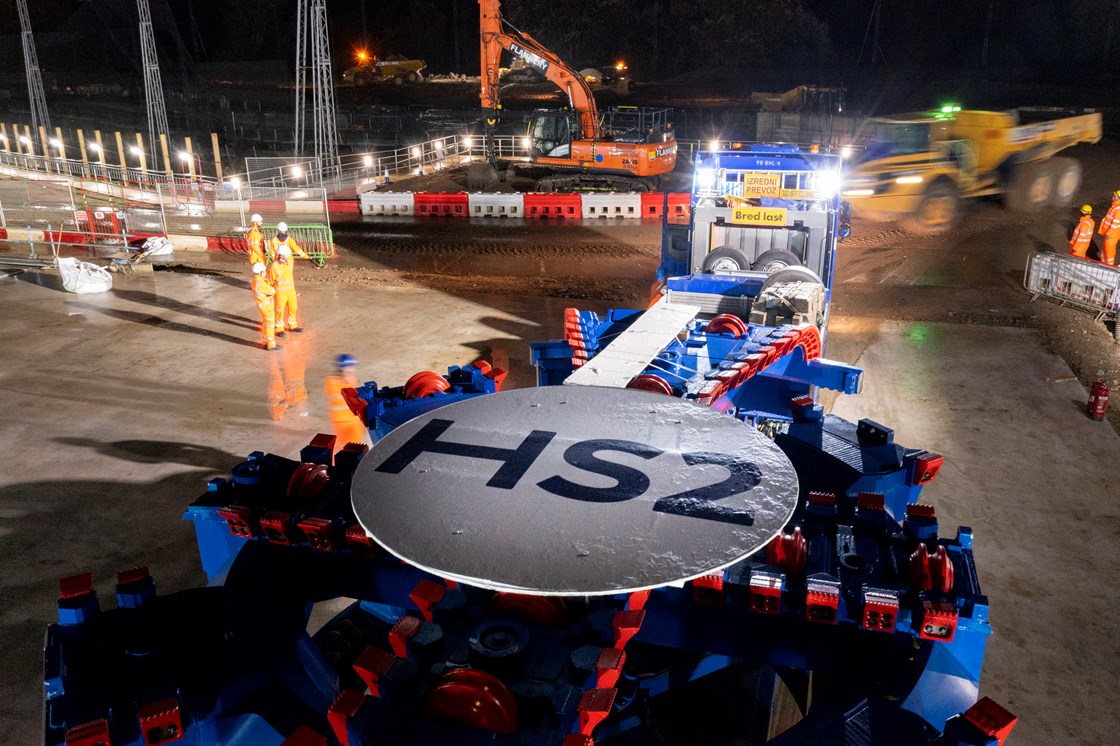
{"x":908,"y":180}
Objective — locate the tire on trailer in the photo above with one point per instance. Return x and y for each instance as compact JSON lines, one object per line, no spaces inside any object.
{"x":1030,"y":188}
{"x":791,"y":274}
{"x":725,"y":259}
{"x":1067,"y":180}
{"x":774,"y":260}
{"x":938,"y":211}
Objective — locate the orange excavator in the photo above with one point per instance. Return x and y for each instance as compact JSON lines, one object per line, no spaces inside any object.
{"x":579,"y":148}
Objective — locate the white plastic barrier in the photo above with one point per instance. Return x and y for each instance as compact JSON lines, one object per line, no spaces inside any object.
{"x":481,"y":205}
{"x":303,"y":207}
{"x":231,"y":205}
{"x":386,"y":203}
{"x":612,"y":205}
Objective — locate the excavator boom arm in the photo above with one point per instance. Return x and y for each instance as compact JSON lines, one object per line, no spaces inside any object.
{"x":498,"y":35}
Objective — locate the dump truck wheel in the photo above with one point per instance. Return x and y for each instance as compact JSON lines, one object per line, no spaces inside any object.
{"x":726,"y":259}
{"x":1031,"y":187}
{"x":361,"y":79}
{"x":775,"y":259}
{"x":1067,"y":180}
{"x":413,"y":77}
{"x":938,"y":212}
{"x":397,"y":80}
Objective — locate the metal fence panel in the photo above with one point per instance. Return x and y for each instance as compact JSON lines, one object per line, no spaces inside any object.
{"x":1086,"y":284}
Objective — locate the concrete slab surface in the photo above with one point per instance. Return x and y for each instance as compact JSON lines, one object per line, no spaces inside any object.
{"x":1039,"y":483}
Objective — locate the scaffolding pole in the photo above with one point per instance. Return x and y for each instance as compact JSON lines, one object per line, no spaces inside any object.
{"x":301,"y":75}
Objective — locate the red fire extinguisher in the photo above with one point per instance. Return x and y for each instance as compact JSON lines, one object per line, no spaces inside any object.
{"x":1098,"y":397}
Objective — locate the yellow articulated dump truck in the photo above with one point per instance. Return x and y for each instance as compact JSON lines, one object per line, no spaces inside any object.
{"x":917,"y":168}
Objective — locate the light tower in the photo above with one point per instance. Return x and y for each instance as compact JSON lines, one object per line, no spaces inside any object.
{"x":326,"y":128}
{"x":153,"y":88}
{"x":39,"y":115}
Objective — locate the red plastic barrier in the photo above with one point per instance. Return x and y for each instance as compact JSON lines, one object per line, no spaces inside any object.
{"x":538,"y":205}
{"x":344,"y":206}
{"x":653,"y":205}
{"x":450,"y":204}
{"x":263,"y":206}
{"x":3,"y":234}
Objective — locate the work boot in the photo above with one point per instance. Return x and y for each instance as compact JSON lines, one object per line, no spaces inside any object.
{"x":274,"y":348}
{"x":281,"y":334}
{"x":296,"y":329}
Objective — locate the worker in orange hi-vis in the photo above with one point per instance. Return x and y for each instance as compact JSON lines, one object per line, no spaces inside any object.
{"x":254,"y":239}
{"x":282,"y":238}
{"x":1110,"y":229}
{"x":264,"y":293}
{"x":347,"y":426}
{"x":1082,"y":236}
{"x":281,"y":276}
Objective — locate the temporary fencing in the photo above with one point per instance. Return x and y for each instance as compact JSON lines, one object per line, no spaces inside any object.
{"x":1086,"y":284}
{"x":626,"y":205}
{"x":612,"y":205}
{"x":553,"y":205}
{"x":496,"y":205}
{"x":452,"y":204}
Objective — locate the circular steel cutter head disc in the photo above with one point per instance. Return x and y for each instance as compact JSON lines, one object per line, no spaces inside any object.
{"x":574,"y":491}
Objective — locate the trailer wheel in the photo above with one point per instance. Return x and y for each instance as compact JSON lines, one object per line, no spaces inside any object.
{"x":1030,"y":188}
{"x":775,"y":259}
{"x":725,"y":259}
{"x":1067,"y":180}
{"x":938,"y":211}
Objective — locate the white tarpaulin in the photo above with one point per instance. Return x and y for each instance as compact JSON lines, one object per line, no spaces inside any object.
{"x":83,"y":277}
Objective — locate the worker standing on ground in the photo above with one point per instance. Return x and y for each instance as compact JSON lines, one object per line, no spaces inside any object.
{"x":281,"y":276}
{"x":255,"y":239}
{"x":283,"y":239}
{"x":264,"y":293}
{"x":347,"y":426}
{"x":1082,"y":236}
{"x":1110,"y":229}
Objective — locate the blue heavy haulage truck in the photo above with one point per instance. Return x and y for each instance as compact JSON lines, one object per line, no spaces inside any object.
{"x":767,"y":216}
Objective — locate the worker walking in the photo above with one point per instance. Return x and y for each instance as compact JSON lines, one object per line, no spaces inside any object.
{"x":258,"y":251}
{"x":282,"y":238}
{"x":1082,"y":236}
{"x":264,"y":293}
{"x":281,"y":276}
{"x":1110,"y":229}
{"x":347,"y":426}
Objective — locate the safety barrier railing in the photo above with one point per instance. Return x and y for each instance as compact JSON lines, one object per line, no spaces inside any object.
{"x":1082,"y":283}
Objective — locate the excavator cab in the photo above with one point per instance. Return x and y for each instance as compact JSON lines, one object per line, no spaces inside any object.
{"x":551,"y":133}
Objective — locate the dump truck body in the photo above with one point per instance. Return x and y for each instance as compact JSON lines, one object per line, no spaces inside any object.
{"x":919,"y":166}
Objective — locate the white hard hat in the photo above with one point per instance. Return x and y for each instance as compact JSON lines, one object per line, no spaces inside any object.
{"x":284,"y":251}
{"x":255,"y":218}
{"x":282,"y":227}
{"x":257,"y":268}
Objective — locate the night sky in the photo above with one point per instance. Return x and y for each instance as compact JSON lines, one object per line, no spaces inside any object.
{"x":662,"y":37}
